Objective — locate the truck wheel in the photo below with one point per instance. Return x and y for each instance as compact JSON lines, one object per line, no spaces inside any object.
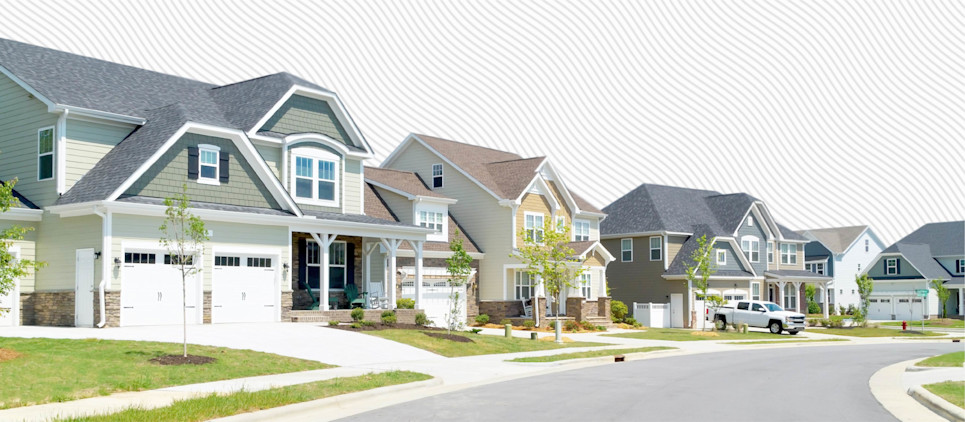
{"x":775,"y":327}
{"x":792,"y":332}
{"x":720,"y":324}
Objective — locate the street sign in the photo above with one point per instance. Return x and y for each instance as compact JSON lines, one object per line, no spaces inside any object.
{"x":922,"y":292}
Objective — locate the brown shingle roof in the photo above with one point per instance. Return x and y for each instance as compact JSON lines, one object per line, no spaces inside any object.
{"x":467,"y":243}
{"x":404,"y":181}
{"x":580,"y":247}
{"x":583,"y":204}
{"x":375,"y":207}
{"x":511,"y":177}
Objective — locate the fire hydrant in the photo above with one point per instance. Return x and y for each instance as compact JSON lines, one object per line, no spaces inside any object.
{"x":904,"y":325}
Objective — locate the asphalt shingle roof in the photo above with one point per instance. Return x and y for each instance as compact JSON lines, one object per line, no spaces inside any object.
{"x":836,"y":239}
{"x":796,"y":274}
{"x":207,"y":206}
{"x":405,"y":181}
{"x":944,"y":239}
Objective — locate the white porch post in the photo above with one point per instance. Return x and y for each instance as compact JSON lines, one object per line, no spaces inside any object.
{"x":417,"y":246}
{"x":797,"y":296}
{"x":827,"y":301}
{"x":367,"y":250}
{"x":780,"y":292}
{"x":961,"y":302}
{"x":324,"y":241}
{"x":392,"y":247}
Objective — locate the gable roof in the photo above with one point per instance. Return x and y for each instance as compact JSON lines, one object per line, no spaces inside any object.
{"x":511,"y":177}
{"x":245,"y":103}
{"x":836,"y":239}
{"x":943,"y":239}
{"x":23,"y":202}
{"x":403,"y":181}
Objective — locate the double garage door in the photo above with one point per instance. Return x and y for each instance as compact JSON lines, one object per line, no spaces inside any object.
{"x":903,"y":308}
{"x":243,"y":289}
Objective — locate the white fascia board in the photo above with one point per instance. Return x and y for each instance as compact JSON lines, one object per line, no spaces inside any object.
{"x":409,"y":253}
{"x":560,"y":185}
{"x":360,"y":229}
{"x":36,"y":94}
{"x":22,"y":214}
{"x":712,"y":278}
{"x":296,"y":138}
{"x":435,"y":200}
{"x":766,"y":218}
{"x":544,"y":189}
{"x":815,"y":261}
{"x":597,"y":247}
{"x":775,"y":230}
{"x":643,"y":234}
{"x":414,"y":138}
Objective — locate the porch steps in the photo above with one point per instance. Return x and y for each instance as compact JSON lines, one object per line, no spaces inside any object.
{"x":598,"y":320}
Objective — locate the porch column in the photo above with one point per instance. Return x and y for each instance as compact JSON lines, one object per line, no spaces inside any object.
{"x":827,"y":301}
{"x":780,"y":292}
{"x":324,"y":241}
{"x":797,"y":296}
{"x":961,"y":302}
{"x":392,"y":247}
{"x":367,"y":250}
{"x":417,"y":246}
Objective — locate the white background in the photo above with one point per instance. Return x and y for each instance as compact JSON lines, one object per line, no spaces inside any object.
{"x":832,"y":112}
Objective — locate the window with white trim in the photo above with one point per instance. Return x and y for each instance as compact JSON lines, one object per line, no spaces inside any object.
{"x":891,"y":266}
{"x":626,"y":250}
{"x":721,"y":257}
{"x":523,"y":286}
{"x":752,"y":248}
{"x":755,"y":291}
{"x":560,"y":223}
{"x":788,"y":253}
{"x":750,"y":220}
{"x":337,"y":260}
{"x":656,"y":248}
{"x":581,"y":230}
{"x":208,"y":163}
{"x":431,"y":220}
{"x":790,"y":297}
{"x":315,"y":176}
{"x":586,"y":286}
{"x":770,"y":252}
{"x":960,"y":265}
{"x":534,"y":227}
{"x":436,"y":176}
{"x":817,"y":268}
{"x":45,"y":153}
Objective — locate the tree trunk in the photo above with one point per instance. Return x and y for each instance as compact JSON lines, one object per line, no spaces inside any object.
{"x":184,"y":311}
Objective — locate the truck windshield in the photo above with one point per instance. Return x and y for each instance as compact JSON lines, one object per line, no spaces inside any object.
{"x":773,"y":307}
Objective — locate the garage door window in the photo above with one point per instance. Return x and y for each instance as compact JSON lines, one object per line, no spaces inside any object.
{"x":227,"y":261}
{"x":176,"y":260}
{"x":259,"y":262}
{"x":139,"y":258}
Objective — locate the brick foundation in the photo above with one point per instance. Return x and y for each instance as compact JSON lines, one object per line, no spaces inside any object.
{"x":581,"y":309}
{"x":47,"y":308}
{"x":500,"y":309}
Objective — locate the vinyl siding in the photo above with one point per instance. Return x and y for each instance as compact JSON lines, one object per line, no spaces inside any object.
{"x":564,"y":210}
{"x":307,"y":115}
{"x":87,"y":143}
{"x":57,"y":242}
{"x":640,"y":280}
{"x":845,"y":268}
{"x":350,"y":183}
{"x":27,"y":248}
{"x":949,"y":264}
{"x":170,"y":172}
{"x":674,"y":243}
{"x":531,"y":203}
{"x":398,"y":204}
{"x":756,"y":231}
{"x":594,"y":260}
{"x":733,"y":262}
{"x":906,"y":270}
{"x":20,"y":118}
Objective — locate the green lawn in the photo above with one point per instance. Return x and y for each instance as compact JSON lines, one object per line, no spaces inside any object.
{"x":934,"y":323}
{"x":215,"y":406}
{"x":481,"y":345}
{"x":952,"y":391}
{"x":876,"y":332}
{"x":591,"y":354}
{"x":54,"y":370}
{"x":787,"y":341}
{"x":675,"y":334}
{"x":952,"y":360}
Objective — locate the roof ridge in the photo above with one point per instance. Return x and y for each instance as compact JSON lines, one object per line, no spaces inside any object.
{"x":516,"y":159}
{"x":464,"y":143}
{"x":245,"y":81}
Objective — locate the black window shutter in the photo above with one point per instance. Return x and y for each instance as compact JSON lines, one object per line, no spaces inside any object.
{"x":302,"y":267}
{"x":350,"y":263}
{"x":898,"y":265}
{"x":192,"y":163}
{"x":223,"y":168}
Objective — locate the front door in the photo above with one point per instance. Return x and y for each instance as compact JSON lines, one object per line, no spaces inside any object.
{"x":84,"y":288}
{"x":677,"y":310}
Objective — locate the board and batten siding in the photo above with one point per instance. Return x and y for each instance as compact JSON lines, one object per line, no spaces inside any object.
{"x":170,"y":172}
{"x":87,"y":143}
{"x":307,"y":115}
{"x":21,"y":116}
{"x":57,"y":241}
{"x":478,"y":212}
{"x":27,"y":248}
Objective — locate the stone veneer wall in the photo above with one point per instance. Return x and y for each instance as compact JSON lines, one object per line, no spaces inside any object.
{"x":47,"y":308}
{"x":286,"y":306}
{"x":581,"y":309}
{"x":112,"y":307}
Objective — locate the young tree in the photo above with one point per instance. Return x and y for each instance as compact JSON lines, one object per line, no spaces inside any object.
{"x":865,"y":286}
{"x":183,"y":235}
{"x":549,"y":258}
{"x":12,"y":268}
{"x":809,"y":293}
{"x":458,"y":265}
{"x":943,"y":294}
{"x":699,"y":270}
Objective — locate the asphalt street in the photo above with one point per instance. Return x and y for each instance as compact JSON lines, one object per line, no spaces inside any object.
{"x":827,"y":383}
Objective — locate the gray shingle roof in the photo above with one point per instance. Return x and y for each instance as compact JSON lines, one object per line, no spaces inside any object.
{"x":796,"y":274}
{"x":679,"y":264}
{"x":207,"y":206}
{"x":944,"y":239}
{"x":354,"y":218}
{"x":245,"y":103}
{"x":836,"y":239}
{"x":790,"y":234}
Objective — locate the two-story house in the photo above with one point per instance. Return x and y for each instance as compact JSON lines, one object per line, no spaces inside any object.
{"x":500,"y":195}
{"x":273,"y":165}
{"x":936,"y":251}
{"x":841,"y":253}
{"x":653,"y":230}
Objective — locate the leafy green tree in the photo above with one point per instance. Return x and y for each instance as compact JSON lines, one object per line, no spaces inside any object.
{"x":942,"y":293}
{"x":549,"y":258}
{"x":12,"y":268}
{"x":865,"y":286}
{"x":699,"y":270}
{"x":809,"y":292}
{"x":459,"y":267}
{"x":183,"y":235}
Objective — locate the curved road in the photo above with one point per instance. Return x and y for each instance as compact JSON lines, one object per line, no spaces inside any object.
{"x":822,"y":383}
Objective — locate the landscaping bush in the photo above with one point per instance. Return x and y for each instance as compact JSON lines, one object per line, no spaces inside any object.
{"x":421,"y":319}
{"x":600,"y":328}
{"x":552,"y":325}
{"x":618,"y":311}
{"x":841,"y":310}
{"x":482,"y":319}
{"x":571,"y":325}
{"x":333,"y":323}
{"x":814,"y":308}
{"x":389,"y":318}
{"x":355,"y":325}
{"x":505,"y":321}
{"x":851,"y":310}
{"x":405,"y":303}
{"x":358,"y":314}
{"x":367,"y":323}
{"x":630,"y":321}
{"x":529,"y":324}
{"x":587,"y":325}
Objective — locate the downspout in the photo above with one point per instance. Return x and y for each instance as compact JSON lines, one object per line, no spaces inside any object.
{"x":60,"y":165}
{"x":106,"y":218}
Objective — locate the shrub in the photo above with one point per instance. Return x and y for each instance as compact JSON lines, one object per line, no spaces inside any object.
{"x":421,"y":319}
{"x":841,"y":309}
{"x":618,"y":311}
{"x":571,"y":325}
{"x":333,"y":323}
{"x":355,"y":325}
{"x":367,"y":323}
{"x":475,"y":330}
{"x":587,"y":325}
{"x":358,"y":314}
{"x":482,"y":319}
{"x":851,"y":310}
{"x":529,"y":324}
{"x":835,"y":323}
{"x":552,"y":325}
{"x":505,"y":321}
{"x":405,"y":303}
{"x":389,"y":318}
{"x":814,"y":308}
{"x":630,"y":321}
{"x":600,"y":328}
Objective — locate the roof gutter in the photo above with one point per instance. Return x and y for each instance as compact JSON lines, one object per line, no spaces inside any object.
{"x":81,"y":111}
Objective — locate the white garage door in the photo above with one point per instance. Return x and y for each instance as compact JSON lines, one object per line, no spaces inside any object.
{"x":243,"y":288}
{"x":435,"y":300}
{"x":908,"y":309}
{"x":151,"y":292}
{"x":879,"y":308}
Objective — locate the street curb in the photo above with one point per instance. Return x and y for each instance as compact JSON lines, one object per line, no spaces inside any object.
{"x":600,"y":360}
{"x":886,"y":387}
{"x":937,"y":404}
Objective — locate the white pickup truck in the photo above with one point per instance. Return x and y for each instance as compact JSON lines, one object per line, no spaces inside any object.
{"x":758,"y":313}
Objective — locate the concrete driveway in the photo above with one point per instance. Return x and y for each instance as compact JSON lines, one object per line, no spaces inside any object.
{"x":305,"y":341}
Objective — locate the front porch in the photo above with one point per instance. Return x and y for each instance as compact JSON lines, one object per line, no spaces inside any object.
{"x":787,"y":288}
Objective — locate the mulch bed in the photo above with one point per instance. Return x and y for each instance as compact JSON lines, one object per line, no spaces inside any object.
{"x":452,"y":337}
{"x":7,"y":354}
{"x":380,"y":326}
{"x":182,"y":360}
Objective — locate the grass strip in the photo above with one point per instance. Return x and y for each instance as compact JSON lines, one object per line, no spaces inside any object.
{"x":480,"y":345}
{"x":58,"y":370}
{"x":877,"y":332}
{"x":951,"y":391}
{"x":590,"y":354}
{"x":674,"y":334}
{"x":936,"y":323}
{"x":217,"y":406}
{"x":786,"y":341}
{"x":948,"y":360}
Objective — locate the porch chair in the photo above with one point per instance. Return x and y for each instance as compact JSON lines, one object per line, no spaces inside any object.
{"x":527,"y":309}
{"x":352,"y":293}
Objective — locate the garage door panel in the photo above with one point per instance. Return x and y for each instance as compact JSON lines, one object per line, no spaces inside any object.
{"x":151,"y":292}
{"x":243,"y":288}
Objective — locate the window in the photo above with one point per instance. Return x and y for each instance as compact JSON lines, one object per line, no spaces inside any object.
{"x":336,"y":261}
{"x":626,"y":250}
{"x":534,"y":227}
{"x":311,"y":254}
{"x":139,"y":258}
{"x":656,"y":243}
{"x":259,"y":262}
{"x":790,"y":297}
{"x":757,"y":307}
{"x":960,"y":265}
{"x":586,"y":286}
{"x":859,"y":267}
{"x":176,"y":260}
{"x":227,"y":261}
{"x":315,"y":176}
{"x":752,"y":248}
{"x":788,"y":253}
{"x":866,"y":245}
{"x":750,"y":220}
{"x":817,"y":268}
{"x":45,"y":153}
{"x":208,"y":159}
{"x":560,"y":223}
{"x":523,"y":285}
{"x":432,"y":220}
{"x":770,"y":252}
{"x":756,"y":291}
{"x":721,"y":257}
{"x":581,"y":230}
{"x":891,"y":266}
{"x":436,"y":176}
{"x":742,"y":306}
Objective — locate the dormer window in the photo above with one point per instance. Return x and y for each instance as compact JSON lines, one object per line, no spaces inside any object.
{"x":208,"y":159}
{"x":435,"y":217}
{"x":960,"y":266}
{"x":750,"y":220}
{"x":315,"y":175}
{"x":436,"y":176}
{"x":891,"y":266}
{"x":431,"y":220}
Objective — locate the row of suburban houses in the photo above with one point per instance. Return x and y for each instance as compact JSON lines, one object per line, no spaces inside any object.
{"x":301,"y":228}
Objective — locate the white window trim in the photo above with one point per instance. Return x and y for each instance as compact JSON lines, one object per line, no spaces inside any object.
{"x":536,"y":227}
{"x":721,"y":253}
{"x":586,"y":286}
{"x":52,"y":153}
{"x":770,"y":252}
{"x":889,"y":267}
{"x":330,"y":264}
{"x":561,"y":223}
{"x":518,"y":285}
{"x":658,"y":248}
{"x":788,"y":256}
{"x":752,"y":253}
{"x":960,"y":263}
{"x":622,"y":250}
{"x":758,"y":295}
{"x":441,"y":176}
{"x":216,"y":180}
{"x":315,"y":154}
{"x":576,"y":232}
{"x":750,"y":220}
